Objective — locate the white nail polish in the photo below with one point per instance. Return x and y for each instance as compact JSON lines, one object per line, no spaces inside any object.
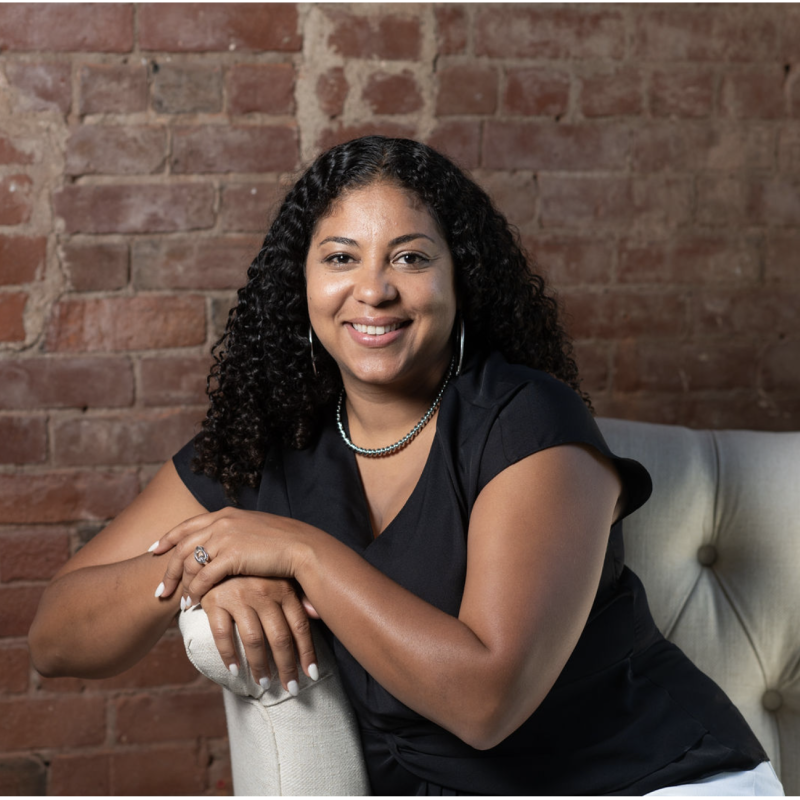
{"x":313,"y":672}
{"x":188,"y":602}
{"x":160,"y":589}
{"x":293,"y":688}
{"x":264,"y":683}
{"x":183,"y":603}
{"x":152,"y":547}
{"x":234,"y":670}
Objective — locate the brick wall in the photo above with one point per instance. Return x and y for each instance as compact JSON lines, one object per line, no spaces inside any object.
{"x":650,"y":157}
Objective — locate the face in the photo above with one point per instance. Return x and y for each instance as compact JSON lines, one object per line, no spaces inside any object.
{"x":381,"y":289}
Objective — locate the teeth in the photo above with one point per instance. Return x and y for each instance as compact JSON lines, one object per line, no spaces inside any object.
{"x":376,"y":330}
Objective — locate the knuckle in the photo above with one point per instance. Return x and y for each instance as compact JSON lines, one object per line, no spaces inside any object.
{"x":301,"y":626}
{"x":281,"y":641}
{"x":252,"y":640}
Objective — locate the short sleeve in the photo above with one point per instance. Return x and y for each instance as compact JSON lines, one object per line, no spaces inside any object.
{"x":545,"y":413}
{"x":208,"y":492}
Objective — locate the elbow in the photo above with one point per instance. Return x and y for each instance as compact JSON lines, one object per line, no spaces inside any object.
{"x":488,"y":723}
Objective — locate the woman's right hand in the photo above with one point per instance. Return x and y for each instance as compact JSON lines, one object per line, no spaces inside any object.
{"x":269,"y":613}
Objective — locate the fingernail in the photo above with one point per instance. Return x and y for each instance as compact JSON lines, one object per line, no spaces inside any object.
{"x":234,"y":670}
{"x":313,"y":672}
{"x":152,"y":547}
{"x":188,"y":602}
{"x":293,"y":688}
{"x":183,"y":603}
{"x":160,"y":589}
{"x":264,"y":683}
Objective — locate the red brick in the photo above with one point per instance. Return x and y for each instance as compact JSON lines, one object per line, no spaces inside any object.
{"x":459,"y":140}
{"x":659,"y":408}
{"x":14,"y":670}
{"x":187,"y":88}
{"x":451,"y":28}
{"x":789,"y":148}
{"x":747,"y":312}
{"x":224,"y":148}
{"x":540,"y":32}
{"x":89,"y":27}
{"x":220,"y":308}
{"x":755,"y":95}
{"x":65,"y":496}
{"x":164,"y":771}
{"x":390,"y":37}
{"x":133,"y":438}
{"x":336,"y":134}
{"x":80,"y":775}
{"x":690,"y":260}
{"x":682,"y":93}
{"x":21,"y":258}
{"x":113,"y":88}
{"x":11,"y":154}
{"x":16,"y":202}
{"x":135,"y":208}
{"x":250,"y":206}
{"x":261,"y":88}
{"x":774,"y":202}
{"x":593,"y":359}
{"x":40,"y":86}
{"x":547,"y":146}
{"x":178,"y":27}
{"x":781,"y":260}
{"x":12,"y":312}
{"x":22,"y":777}
{"x":52,"y":722}
{"x":92,"y":266}
{"x":571,"y":262}
{"x":33,"y":554}
{"x":65,"y":383}
{"x":387,"y":93}
{"x":219,"y":262}
{"x":126,"y":323}
{"x":513,"y":193}
{"x":619,"y":315}
{"x":332,"y":88}
{"x":19,"y":604}
{"x":466,"y":89}
{"x":536,"y":92}
{"x":721,"y":201}
{"x":103,"y":149}
{"x":164,"y":717}
{"x":23,"y":440}
{"x":220,"y":778}
{"x":779,"y":367}
{"x":612,"y":94}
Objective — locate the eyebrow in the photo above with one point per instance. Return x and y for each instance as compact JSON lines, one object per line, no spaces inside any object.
{"x":407,"y":237}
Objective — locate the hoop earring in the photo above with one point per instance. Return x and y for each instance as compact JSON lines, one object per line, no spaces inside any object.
{"x":311,"y":343}
{"x":460,"y":346}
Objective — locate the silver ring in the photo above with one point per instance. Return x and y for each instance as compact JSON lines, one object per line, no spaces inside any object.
{"x":201,"y":556}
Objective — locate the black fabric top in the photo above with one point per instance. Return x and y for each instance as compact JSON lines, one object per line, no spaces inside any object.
{"x":628,"y":714}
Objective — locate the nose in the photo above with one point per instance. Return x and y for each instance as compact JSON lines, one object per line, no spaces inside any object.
{"x":374,"y":283}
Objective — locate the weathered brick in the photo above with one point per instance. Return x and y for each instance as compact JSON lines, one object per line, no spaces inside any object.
{"x":79,"y":775}
{"x":225,"y":148}
{"x":21,"y":258}
{"x":250,"y":206}
{"x":63,"y":497}
{"x":539,"y":32}
{"x":187,"y":88}
{"x":261,"y":88}
{"x":336,"y":134}
{"x":721,"y":201}
{"x":789,"y":148}
{"x":12,"y":313}
{"x":65,"y":383}
{"x":23,"y":440}
{"x":165,"y":771}
{"x":389,"y":37}
{"x":165,"y":665}
{"x":92,"y":266}
{"x":220,"y":310}
{"x":782,"y":260}
{"x":10,"y":152}
{"x":104,"y":149}
{"x":593,"y":360}
{"x":547,"y":146}
{"x":571,"y":262}
{"x":774,"y":202}
{"x":16,"y":199}
{"x":33,"y":554}
{"x":133,"y":438}
{"x":126,"y":323}
{"x":536,"y":92}
{"x":513,"y":193}
{"x":52,"y":722}
{"x":22,"y":777}
{"x":19,"y":604}
{"x":682,"y":93}
{"x":113,"y":88}
{"x":178,"y":27}
{"x":219,"y":262}
{"x":746,"y":312}
{"x":40,"y":86}
{"x":387,"y":93}
{"x":459,"y":140}
{"x":332,"y":88}
{"x":451,"y":28}
{"x":220,"y":777}
{"x":135,"y":208}
{"x":466,"y":89}
{"x":612,"y":94}
{"x":85,"y":27}
{"x":14,"y":670}
{"x":165,"y":717}
{"x":779,"y":367}
{"x":755,"y":95}
{"x":174,"y":381}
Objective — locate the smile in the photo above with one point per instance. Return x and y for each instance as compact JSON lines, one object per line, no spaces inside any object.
{"x":376,"y":330}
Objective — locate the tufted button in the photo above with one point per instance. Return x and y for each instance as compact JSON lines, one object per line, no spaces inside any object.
{"x":707,"y":554}
{"x":772,"y":700}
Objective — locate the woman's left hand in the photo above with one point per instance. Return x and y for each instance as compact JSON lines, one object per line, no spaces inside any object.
{"x":237,"y":543}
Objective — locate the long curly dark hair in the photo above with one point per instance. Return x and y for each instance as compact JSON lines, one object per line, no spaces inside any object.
{"x":262,"y":387}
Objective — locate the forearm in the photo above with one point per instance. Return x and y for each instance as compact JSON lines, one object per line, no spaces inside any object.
{"x":98,"y":621}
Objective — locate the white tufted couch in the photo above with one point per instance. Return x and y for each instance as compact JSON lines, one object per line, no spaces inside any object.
{"x":718,"y":549}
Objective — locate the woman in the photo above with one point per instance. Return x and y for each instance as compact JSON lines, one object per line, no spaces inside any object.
{"x":452,"y":515}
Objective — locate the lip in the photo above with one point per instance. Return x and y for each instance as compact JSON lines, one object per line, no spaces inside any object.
{"x":375,"y":339}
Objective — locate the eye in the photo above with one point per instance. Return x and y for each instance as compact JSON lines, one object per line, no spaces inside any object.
{"x":413,"y":259}
{"x":338,"y":258}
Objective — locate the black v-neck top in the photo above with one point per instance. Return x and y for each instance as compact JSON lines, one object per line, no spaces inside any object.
{"x":628,"y":714}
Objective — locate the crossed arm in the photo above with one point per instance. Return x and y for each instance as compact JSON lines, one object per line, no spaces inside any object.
{"x":537,"y":538}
